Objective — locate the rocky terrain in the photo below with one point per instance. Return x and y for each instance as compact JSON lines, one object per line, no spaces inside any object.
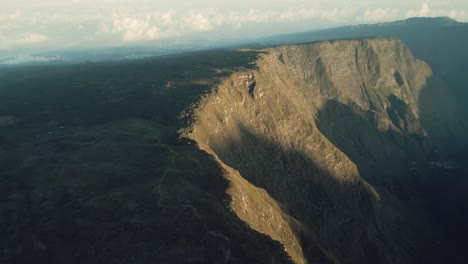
{"x":439,"y":41}
{"x":331,"y":131}
{"x":324,"y":152}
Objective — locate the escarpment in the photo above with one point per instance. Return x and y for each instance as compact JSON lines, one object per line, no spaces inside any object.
{"x":324,"y":129}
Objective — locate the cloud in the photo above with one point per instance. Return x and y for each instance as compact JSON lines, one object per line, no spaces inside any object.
{"x":239,"y":19}
{"x":167,"y":18}
{"x":380,"y":14}
{"x":199,"y":22}
{"x":458,"y":14}
{"x":28,"y":59}
{"x":423,"y":12}
{"x":28,"y":39}
{"x":426,"y":11}
{"x":134,"y":29}
{"x":70,"y":22}
{"x":162,"y":24}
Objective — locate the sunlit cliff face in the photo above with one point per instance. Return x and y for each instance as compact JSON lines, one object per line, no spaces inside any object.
{"x":303,"y":126}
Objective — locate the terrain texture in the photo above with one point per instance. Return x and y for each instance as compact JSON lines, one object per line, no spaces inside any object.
{"x":323,"y":152}
{"x":92,"y":170}
{"x":326,"y":129}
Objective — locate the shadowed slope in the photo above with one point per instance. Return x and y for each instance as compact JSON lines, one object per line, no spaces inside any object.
{"x":271,"y":137}
{"x":91,"y":170}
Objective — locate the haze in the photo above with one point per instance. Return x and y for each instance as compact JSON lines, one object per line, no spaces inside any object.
{"x":27,"y":26}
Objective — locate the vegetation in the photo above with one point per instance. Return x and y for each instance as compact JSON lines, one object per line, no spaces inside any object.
{"x":342,"y":151}
{"x":92,"y":170}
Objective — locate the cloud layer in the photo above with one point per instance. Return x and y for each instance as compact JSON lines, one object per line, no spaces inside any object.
{"x":28,"y":59}
{"x":25,"y":40}
{"x":161,"y":24}
{"x":68,"y":22}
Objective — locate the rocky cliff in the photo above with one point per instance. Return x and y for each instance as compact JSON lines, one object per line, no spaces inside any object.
{"x":315,"y":142}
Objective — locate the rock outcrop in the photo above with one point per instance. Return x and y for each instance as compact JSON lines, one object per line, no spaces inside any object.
{"x":327,"y":130}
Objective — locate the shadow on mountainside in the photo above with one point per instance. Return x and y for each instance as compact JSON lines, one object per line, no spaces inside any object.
{"x":399,"y":163}
{"x":344,"y":217}
{"x":383,"y":157}
{"x":123,"y":199}
{"x":444,"y":116}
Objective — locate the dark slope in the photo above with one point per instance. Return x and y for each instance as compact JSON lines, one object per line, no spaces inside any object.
{"x":91,"y":170}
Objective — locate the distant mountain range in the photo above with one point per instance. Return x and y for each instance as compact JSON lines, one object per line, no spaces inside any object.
{"x":412,"y":31}
{"x":91,"y":52}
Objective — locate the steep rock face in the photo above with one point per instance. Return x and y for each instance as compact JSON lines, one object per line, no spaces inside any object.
{"x":298,"y":125}
{"x":263,"y":213}
{"x":369,"y":103}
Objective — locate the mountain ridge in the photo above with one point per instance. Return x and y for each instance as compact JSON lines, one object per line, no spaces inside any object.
{"x":263,"y":121}
{"x":325,"y":152}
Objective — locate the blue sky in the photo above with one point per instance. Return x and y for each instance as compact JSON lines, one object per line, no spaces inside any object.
{"x":31,"y":25}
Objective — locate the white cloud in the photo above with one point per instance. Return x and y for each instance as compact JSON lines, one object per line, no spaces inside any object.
{"x":28,"y":39}
{"x":70,"y":22}
{"x":239,"y":19}
{"x":167,"y":18}
{"x":458,"y":14}
{"x":423,"y":12}
{"x":134,"y":29}
{"x":426,"y":11}
{"x":199,"y":22}
{"x":28,"y":59}
{"x":380,"y":14}
{"x":163,"y":24}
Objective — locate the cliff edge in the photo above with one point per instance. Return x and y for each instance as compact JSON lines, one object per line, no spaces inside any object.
{"x":323,"y":133}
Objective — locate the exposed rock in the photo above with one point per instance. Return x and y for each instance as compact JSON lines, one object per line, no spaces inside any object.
{"x":323,"y":118}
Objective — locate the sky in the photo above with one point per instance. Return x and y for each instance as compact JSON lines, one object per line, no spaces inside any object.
{"x":33,"y":25}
